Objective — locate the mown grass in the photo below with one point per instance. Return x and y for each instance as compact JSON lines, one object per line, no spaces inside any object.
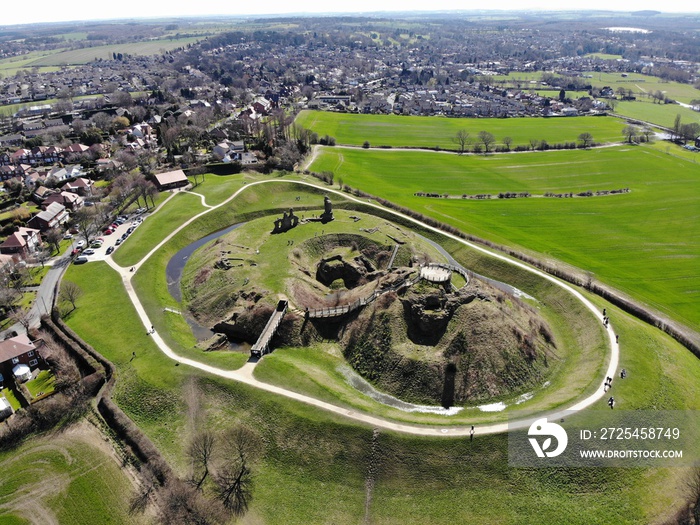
{"x":65,"y":478}
{"x":312,"y":466}
{"x":661,"y":114}
{"x":43,"y":383}
{"x":638,"y":83}
{"x":643,"y":243}
{"x":431,"y":132}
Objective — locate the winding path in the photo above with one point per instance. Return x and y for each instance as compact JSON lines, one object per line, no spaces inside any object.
{"x":245,"y":373}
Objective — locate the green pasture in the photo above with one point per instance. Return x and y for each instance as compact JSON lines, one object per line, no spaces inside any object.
{"x":644,"y":243}
{"x":69,"y":477}
{"x":313,"y":467}
{"x":640,"y":84}
{"x":604,"y":56}
{"x":88,"y":54}
{"x":431,"y":132}
{"x":660,"y":114}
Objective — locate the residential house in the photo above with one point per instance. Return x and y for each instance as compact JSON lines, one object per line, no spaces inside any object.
{"x":81,"y":186}
{"x":11,"y":140}
{"x":71,"y":201}
{"x":171,"y":179}
{"x":63,"y":173}
{"x":21,"y":156}
{"x":40,"y":194}
{"x":52,"y":217}
{"x":19,"y":356}
{"x":22,"y":243}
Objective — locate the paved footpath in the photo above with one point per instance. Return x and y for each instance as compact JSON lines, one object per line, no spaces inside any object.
{"x":245,"y":374}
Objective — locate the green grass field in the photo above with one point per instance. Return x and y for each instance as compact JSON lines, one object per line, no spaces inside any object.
{"x":638,"y":83}
{"x":88,"y":54}
{"x":644,"y":243}
{"x":429,"y":132}
{"x":69,"y":477}
{"x":313,"y":467}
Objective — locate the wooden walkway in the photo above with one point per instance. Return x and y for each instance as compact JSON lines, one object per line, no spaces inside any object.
{"x":262,"y":345}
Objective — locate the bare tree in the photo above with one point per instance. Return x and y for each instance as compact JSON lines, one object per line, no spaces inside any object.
{"x":200,"y":451}
{"x":693,"y":488}
{"x":234,"y":484}
{"x":23,"y":317}
{"x":87,"y":222}
{"x":647,"y":132}
{"x":53,"y":237}
{"x":462,"y":140}
{"x":70,"y":292}
{"x":487,"y":139}
{"x":233,"y":479}
{"x":507,"y":141}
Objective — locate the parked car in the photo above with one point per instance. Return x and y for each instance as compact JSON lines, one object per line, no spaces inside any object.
{"x":110,"y":250}
{"x":96,"y":244}
{"x":108,"y":231}
{"x":68,"y":236}
{"x":81,"y":259}
{"x":118,"y":242}
{"x":80,"y":244}
{"x":75,"y":252}
{"x":89,"y":251}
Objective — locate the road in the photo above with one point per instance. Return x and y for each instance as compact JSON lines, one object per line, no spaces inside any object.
{"x":245,"y":374}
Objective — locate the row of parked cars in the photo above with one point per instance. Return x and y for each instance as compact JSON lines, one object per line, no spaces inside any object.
{"x":81,"y":251}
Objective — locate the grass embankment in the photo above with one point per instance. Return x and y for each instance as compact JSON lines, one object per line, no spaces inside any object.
{"x":271,"y":263}
{"x":313,"y":466}
{"x":643,"y":242}
{"x":574,"y":370}
{"x":431,"y":132}
{"x":69,"y":477}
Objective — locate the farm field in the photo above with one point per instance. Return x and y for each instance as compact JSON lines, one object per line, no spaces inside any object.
{"x":88,"y":54}
{"x":637,"y":82}
{"x":661,"y":114}
{"x":313,"y":467}
{"x":429,"y":132}
{"x":644,"y":243}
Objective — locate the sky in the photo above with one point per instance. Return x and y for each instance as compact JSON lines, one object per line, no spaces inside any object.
{"x":50,"y":10}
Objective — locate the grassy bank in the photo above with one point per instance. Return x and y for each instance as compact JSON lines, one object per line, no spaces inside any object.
{"x":642,"y":242}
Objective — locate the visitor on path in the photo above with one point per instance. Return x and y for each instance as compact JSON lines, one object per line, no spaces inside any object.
{"x":617,"y":339}
{"x":471,"y":434}
{"x":611,"y":402}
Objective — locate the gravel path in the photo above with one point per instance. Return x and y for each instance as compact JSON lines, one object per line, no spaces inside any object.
{"x":245,"y":374}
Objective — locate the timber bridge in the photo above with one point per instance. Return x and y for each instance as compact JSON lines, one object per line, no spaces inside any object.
{"x":262,"y":345}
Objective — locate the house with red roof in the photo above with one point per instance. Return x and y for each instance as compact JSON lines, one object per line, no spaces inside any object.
{"x":23,"y":243}
{"x":19,"y":357}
